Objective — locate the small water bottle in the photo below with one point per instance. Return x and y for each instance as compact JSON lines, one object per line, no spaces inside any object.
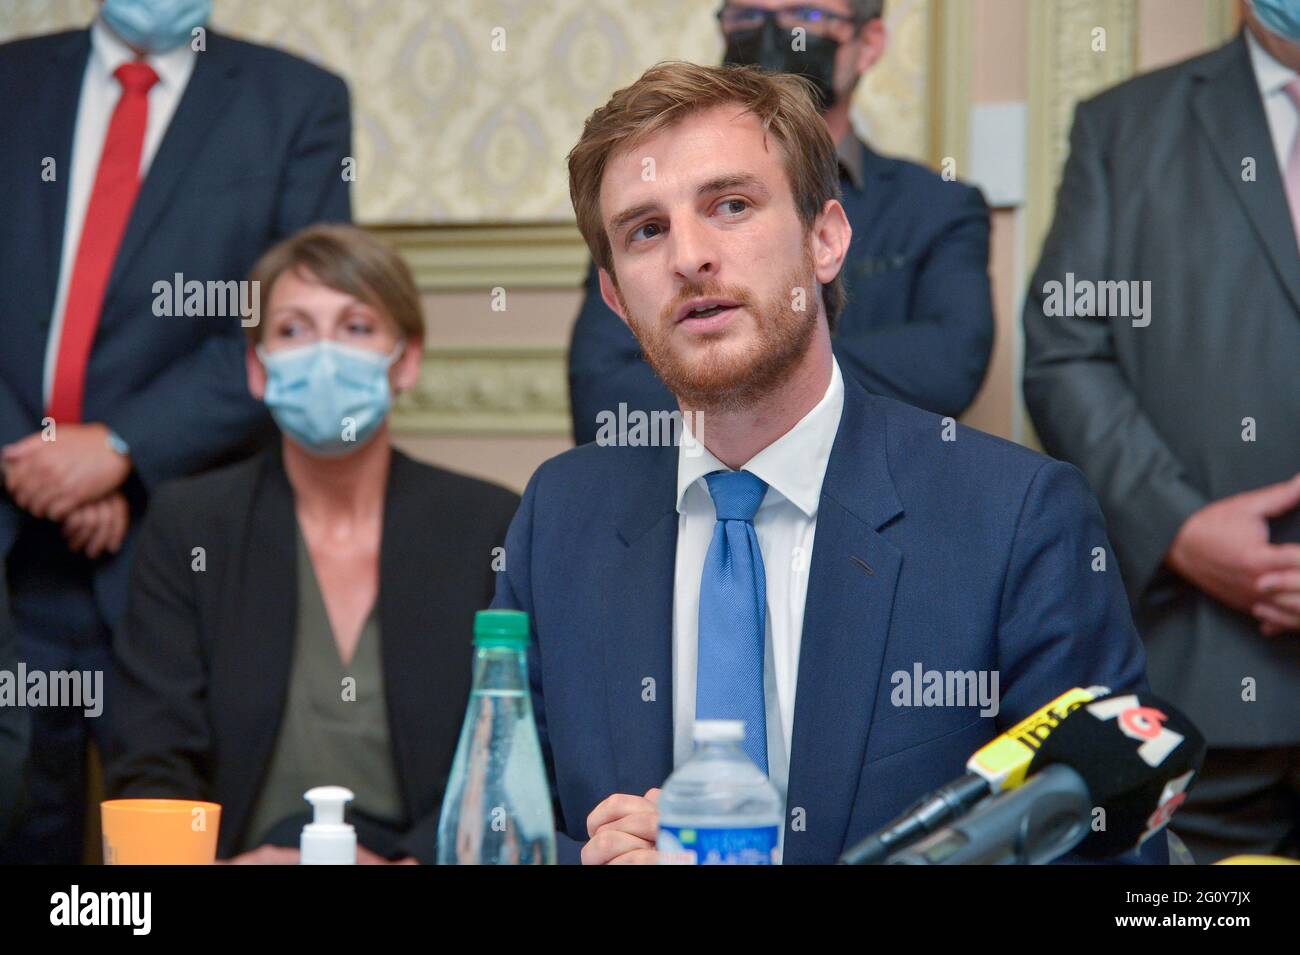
{"x":497,"y":808}
{"x":718,"y":808}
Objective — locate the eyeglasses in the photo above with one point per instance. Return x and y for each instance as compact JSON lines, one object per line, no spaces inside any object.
{"x":815,"y":20}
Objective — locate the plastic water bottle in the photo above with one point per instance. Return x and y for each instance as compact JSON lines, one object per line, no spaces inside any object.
{"x":718,"y":808}
{"x":497,"y":808}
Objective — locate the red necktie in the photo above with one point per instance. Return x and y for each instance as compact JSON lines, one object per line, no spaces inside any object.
{"x":116,"y":183}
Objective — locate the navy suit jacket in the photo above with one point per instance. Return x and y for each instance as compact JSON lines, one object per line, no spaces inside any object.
{"x":252,"y":154}
{"x":917,"y":324}
{"x":970,"y":554}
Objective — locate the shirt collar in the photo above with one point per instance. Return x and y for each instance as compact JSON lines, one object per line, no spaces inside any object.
{"x":849,"y":153}
{"x":793,"y":465}
{"x":108,"y":52}
{"x":1271,"y":75}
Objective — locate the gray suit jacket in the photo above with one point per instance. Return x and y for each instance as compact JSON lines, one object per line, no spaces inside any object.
{"x":1157,"y":188}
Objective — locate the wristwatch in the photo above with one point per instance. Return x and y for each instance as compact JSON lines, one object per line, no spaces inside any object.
{"x":115,"y":443}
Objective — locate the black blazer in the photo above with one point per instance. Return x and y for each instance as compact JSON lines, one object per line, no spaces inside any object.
{"x":252,"y":154}
{"x":203,"y":662}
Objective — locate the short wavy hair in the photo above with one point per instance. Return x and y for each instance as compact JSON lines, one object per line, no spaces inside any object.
{"x":672,"y":91}
{"x":348,"y":259}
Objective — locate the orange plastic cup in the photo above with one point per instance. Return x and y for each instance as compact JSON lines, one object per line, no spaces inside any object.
{"x":159,"y":831}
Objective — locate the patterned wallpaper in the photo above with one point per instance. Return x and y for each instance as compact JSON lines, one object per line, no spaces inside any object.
{"x":464,"y":109}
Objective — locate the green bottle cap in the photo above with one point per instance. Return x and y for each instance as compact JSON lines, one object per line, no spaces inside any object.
{"x":501,"y":628}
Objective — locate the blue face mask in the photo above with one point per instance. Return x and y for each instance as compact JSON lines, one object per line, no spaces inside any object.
{"x":329,"y":398}
{"x":1280,"y":16}
{"x":155,"y":25}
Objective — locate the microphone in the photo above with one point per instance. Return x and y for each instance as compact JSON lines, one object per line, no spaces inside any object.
{"x":1106,"y":780}
{"x":1044,"y":818}
{"x":998,"y":766}
{"x":1139,"y":755}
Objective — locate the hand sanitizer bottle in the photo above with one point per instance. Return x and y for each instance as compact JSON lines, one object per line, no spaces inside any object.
{"x":327,"y":839}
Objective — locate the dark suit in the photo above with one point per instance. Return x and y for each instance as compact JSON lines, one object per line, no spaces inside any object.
{"x":970,"y":554}
{"x":251,"y":155}
{"x":917,"y":324}
{"x":15,"y":727}
{"x":1154,"y":190}
{"x":204,"y":658}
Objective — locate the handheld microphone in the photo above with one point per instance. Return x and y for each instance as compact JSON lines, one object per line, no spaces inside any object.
{"x":998,"y":766}
{"x":1041,"y":820}
{"x":1106,"y":780}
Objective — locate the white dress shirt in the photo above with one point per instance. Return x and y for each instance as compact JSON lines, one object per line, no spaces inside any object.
{"x":793,"y":467}
{"x":100,"y":92}
{"x":1283,"y":117}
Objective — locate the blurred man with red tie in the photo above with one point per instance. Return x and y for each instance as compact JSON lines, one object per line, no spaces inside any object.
{"x":144,"y":154}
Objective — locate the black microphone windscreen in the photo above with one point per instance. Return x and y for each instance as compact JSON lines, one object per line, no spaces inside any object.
{"x":1137,"y":755}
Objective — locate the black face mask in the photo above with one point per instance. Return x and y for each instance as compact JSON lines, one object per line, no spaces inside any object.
{"x":769,"y":48}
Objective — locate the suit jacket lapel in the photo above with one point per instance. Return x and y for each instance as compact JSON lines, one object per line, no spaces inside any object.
{"x":1228,"y":106}
{"x":404,"y":619}
{"x":210,"y":87}
{"x":60,"y":99}
{"x":638,"y":615}
{"x":264,"y":639}
{"x":846,"y":624}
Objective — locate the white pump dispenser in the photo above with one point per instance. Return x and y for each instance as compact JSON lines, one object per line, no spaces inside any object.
{"x":327,"y":839}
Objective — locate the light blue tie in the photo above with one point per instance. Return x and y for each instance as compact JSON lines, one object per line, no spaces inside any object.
{"x":733,"y":608}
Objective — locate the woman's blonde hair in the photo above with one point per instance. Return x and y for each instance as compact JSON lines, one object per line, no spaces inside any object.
{"x":350,"y":260}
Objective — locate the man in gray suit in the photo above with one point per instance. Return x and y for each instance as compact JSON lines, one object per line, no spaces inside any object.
{"x":1162,"y":334}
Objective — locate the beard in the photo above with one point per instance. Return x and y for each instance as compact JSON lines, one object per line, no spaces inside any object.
{"x":717,"y":376}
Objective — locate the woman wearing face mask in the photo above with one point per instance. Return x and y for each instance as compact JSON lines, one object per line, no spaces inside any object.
{"x":304,"y":617}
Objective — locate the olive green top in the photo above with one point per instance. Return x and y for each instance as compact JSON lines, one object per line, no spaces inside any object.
{"x":334,"y":730}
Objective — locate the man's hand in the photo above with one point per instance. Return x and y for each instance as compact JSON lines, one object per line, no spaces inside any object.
{"x":51,"y":479}
{"x":1224,"y":550}
{"x":1279,"y":611}
{"x":623,"y":830}
{"x":98,"y":527}
{"x":265,"y":855}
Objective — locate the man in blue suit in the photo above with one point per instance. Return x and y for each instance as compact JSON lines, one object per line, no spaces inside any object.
{"x":146,"y":157}
{"x":917,"y":323}
{"x":811,"y":547}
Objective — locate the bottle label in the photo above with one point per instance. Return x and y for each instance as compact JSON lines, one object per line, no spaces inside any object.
{"x":690,"y":845}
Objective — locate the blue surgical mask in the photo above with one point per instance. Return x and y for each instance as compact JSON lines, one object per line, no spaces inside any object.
{"x":1280,"y":16}
{"x":329,"y":398}
{"x":155,"y":25}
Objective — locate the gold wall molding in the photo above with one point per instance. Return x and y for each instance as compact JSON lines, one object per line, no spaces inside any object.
{"x":489,"y":390}
{"x":512,"y":255}
{"x":952,"y":44}
{"x":1221,"y":21}
{"x":891,"y":107}
{"x":1064,"y":69}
